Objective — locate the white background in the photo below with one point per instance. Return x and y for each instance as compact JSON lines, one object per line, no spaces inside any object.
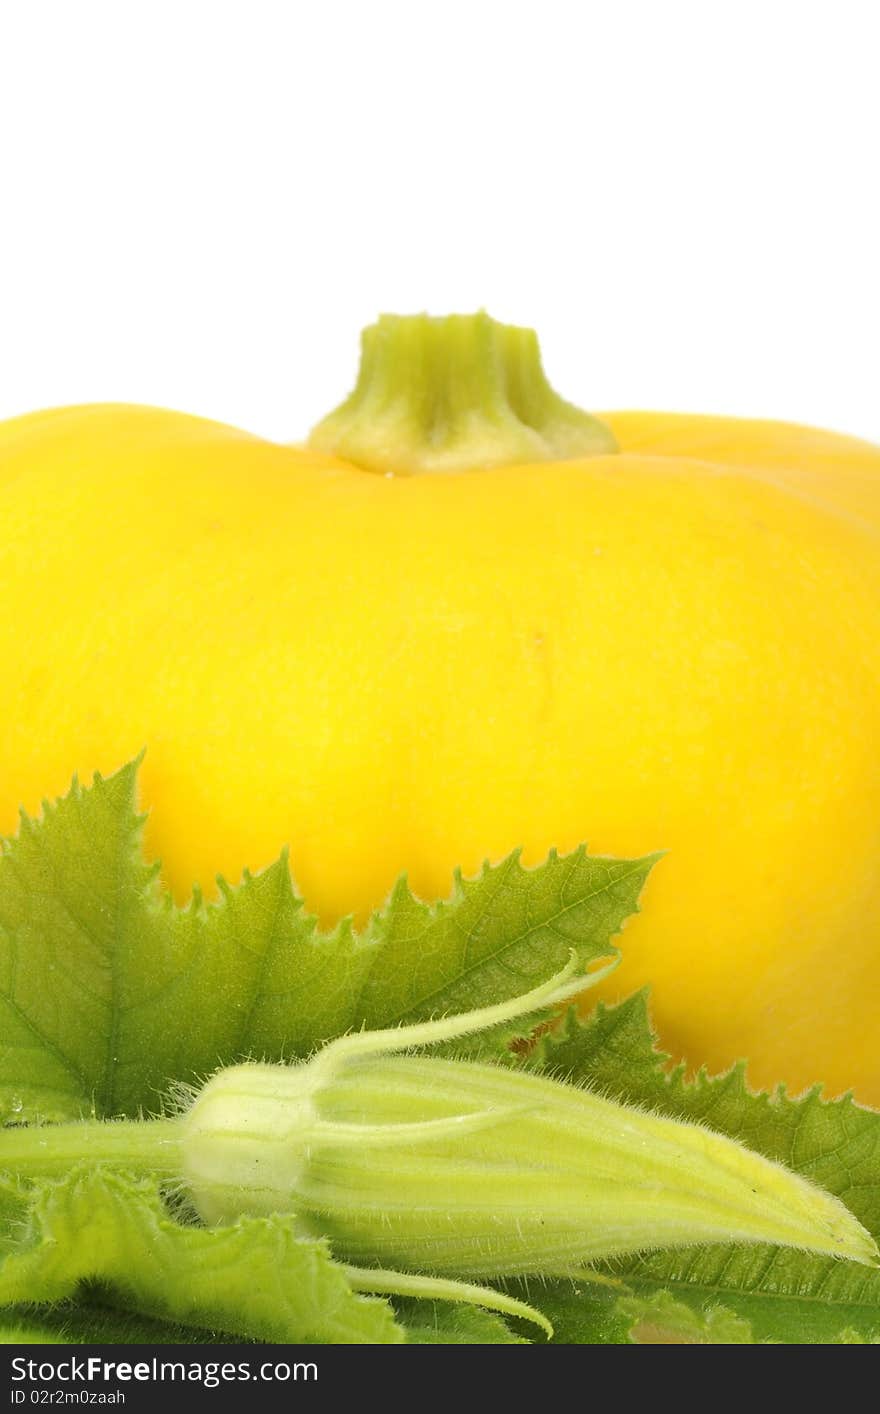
{"x":203,"y":202}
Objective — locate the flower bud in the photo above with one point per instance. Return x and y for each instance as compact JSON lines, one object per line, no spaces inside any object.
{"x":462,"y":1169}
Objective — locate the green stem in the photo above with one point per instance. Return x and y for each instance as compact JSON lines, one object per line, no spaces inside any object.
{"x":454,"y":394}
{"x":51,"y":1150}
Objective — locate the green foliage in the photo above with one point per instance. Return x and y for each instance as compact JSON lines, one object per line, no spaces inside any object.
{"x":256,"y":1277}
{"x":110,"y":996}
{"x":108,"y":992}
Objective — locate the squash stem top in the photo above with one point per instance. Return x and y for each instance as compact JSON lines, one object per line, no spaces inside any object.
{"x":452,"y":394}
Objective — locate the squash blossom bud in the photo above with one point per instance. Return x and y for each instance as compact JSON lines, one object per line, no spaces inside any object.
{"x":424,"y":1172}
{"x":462,"y":1169}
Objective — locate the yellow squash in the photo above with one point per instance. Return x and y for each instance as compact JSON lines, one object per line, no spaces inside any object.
{"x":463,"y":619}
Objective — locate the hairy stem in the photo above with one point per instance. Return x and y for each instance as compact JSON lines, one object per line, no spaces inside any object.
{"x":50,"y":1150}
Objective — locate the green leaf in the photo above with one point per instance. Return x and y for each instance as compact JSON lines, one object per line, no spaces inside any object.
{"x":87,"y":1322}
{"x":661,"y":1320}
{"x":91,"y":1320}
{"x":497,"y":937}
{"x":74,"y":906}
{"x":777,"y":1294}
{"x":255,"y":1277}
{"x":26,"y":1333}
{"x":591,"y":1315}
{"x":109,"y":993}
{"x":439,"y":1323}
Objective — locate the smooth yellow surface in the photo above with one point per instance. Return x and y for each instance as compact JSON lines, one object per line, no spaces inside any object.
{"x":674,"y":648}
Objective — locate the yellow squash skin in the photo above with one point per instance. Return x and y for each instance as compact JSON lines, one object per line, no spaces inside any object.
{"x":672,"y":647}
